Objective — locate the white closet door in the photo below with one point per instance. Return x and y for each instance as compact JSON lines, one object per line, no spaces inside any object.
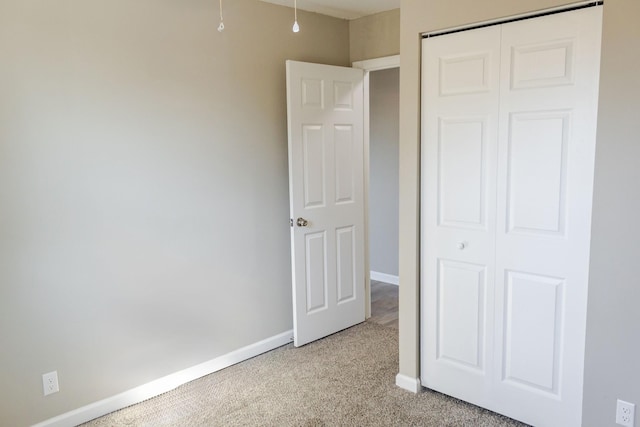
{"x":548,"y":114}
{"x":509,"y":115}
{"x":460,"y":116}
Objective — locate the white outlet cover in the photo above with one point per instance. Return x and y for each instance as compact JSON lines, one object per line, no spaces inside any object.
{"x":50,"y":383}
{"x":625,"y":413}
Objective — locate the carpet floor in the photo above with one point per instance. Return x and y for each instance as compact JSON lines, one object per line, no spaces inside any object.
{"x":347,"y":379}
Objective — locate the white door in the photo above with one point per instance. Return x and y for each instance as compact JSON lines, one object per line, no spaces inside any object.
{"x":506,"y":330}
{"x":326,"y":193}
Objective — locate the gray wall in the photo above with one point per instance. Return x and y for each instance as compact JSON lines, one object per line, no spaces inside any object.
{"x":384,"y":98}
{"x":143,"y":189}
{"x":613,"y":321}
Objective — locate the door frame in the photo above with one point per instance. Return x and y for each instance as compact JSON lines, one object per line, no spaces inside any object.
{"x":369,"y":65}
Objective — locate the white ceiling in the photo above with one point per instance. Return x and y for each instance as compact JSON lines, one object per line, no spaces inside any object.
{"x":345,"y":9}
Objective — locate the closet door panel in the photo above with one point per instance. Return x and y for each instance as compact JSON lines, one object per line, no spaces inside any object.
{"x":548,"y":111}
{"x":460,"y":116}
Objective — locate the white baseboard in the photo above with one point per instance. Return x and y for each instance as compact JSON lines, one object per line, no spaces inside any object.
{"x":408,"y":383}
{"x":384,"y":277}
{"x":165,"y":384}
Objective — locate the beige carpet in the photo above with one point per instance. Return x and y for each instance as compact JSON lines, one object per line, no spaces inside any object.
{"x":347,"y":379}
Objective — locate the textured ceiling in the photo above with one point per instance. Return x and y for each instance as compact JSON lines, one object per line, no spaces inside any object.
{"x":346,"y":9}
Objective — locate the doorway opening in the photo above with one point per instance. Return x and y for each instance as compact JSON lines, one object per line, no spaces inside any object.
{"x":381,"y":103}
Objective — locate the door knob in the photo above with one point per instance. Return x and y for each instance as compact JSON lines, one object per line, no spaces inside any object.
{"x":302,"y":222}
{"x":462,"y":245}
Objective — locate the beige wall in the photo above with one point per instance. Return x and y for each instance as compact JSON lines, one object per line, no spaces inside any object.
{"x":614,"y":293}
{"x":143,"y":189}
{"x":375,"y":36}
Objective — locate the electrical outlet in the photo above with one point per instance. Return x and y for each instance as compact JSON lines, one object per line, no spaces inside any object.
{"x":50,"y":383}
{"x":625,"y":413}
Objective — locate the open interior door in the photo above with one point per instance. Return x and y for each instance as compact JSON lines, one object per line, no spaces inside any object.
{"x":326,"y":193}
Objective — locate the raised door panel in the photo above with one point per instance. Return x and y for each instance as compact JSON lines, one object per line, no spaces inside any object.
{"x":343,"y":96}
{"x":316,"y":272}
{"x":461,"y":305}
{"x":537,"y":172}
{"x":345,"y":170}
{"x":312,"y":93}
{"x":466,"y":73}
{"x":537,"y":65}
{"x":346,"y":264}
{"x":533,"y":331}
{"x":461,"y":184}
{"x":314,"y":174}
